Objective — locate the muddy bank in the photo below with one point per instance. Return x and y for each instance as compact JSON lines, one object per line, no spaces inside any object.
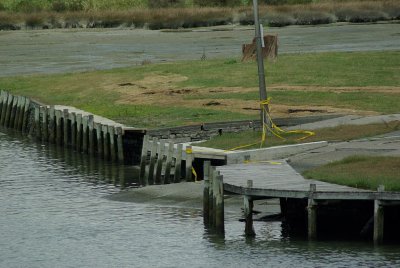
{"x":76,"y":50}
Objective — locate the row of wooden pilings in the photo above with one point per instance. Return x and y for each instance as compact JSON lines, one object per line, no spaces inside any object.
{"x":62,"y":127}
{"x":161,"y":162}
{"x":14,"y":111}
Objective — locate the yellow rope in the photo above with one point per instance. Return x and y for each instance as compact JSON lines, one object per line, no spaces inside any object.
{"x":273,"y":128}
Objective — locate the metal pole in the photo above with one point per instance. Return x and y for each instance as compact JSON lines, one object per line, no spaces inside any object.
{"x":260,"y":60}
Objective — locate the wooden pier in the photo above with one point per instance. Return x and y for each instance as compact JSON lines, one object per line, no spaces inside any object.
{"x":277,"y":179}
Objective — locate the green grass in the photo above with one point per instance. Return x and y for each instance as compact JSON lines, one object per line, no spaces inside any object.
{"x":229,"y":141}
{"x":96,"y":91}
{"x":360,"y":172}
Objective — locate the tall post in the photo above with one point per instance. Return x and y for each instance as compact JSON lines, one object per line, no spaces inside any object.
{"x":378,"y":218}
{"x":248,"y":213}
{"x":312,"y":214}
{"x":206,"y":189}
{"x":260,"y":60}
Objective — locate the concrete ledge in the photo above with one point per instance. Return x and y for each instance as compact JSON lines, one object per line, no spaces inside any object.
{"x":277,"y":152}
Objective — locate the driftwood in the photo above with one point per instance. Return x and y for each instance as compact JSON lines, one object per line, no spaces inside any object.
{"x":270,"y":49}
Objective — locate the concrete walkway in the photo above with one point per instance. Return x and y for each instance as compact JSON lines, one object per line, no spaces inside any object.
{"x":383,"y":145}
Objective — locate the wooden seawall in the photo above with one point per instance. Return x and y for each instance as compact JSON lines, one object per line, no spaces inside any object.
{"x":70,"y":128}
{"x":276,"y":179}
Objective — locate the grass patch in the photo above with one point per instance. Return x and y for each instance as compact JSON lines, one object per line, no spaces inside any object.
{"x":360,"y":172}
{"x":341,"y":133}
{"x":99,"y":91}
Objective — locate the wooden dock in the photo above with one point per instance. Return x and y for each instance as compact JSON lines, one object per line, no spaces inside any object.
{"x":277,"y":179}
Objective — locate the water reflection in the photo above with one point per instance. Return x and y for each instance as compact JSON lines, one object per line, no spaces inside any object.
{"x":54,"y":214}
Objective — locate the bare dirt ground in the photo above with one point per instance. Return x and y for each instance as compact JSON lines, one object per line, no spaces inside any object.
{"x":160,"y":90}
{"x":74,"y":50}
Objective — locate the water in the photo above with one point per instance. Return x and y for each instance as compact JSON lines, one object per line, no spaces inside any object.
{"x":54,"y":213}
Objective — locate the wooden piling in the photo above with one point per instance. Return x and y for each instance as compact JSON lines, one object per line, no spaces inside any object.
{"x":178,"y":163}
{"x":211,"y":214}
{"x":44,"y":128}
{"x":13,"y":112}
{"x":21,"y":114}
{"x":52,"y":125}
{"x":17,"y":112}
{"x":8,"y":111}
{"x":85,"y":123}
{"x":120,"y":144}
{"x":189,"y":162}
{"x":153,"y":159}
{"x":206,"y":190}
{"x":72,"y":118}
{"x":99,"y":139}
{"x":59,"y":128}
{"x":378,"y":218}
{"x":312,"y":214}
{"x":79,"y":132}
{"x":25,"y":115}
{"x":248,"y":205}
{"x":113,"y":148}
{"x":37,"y":122}
{"x":143,"y":179}
{"x":167,"y":175}
{"x":66,"y":127}
{"x":91,"y":134}
{"x":106,"y":142}
{"x":1,"y":102}
{"x":4,"y":100}
{"x":219,"y":204}
{"x":160,"y":159}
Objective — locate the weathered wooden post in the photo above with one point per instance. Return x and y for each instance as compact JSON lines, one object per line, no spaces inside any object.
{"x":59,"y":129}
{"x":312,"y":214}
{"x":99,"y":139}
{"x":9,"y":109}
{"x":106,"y":142}
{"x":211,"y":215}
{"x":1,"y":102}
{"x":72,"y":118}
{"x":21,"y":114}
{"x":65,"y":126}
{"x":85,"y":121}
{"x":160,"y":159}
{"x":45,"y":128}
{"x":113,"y":148}
{"x":178,"y":163}
{"x":13,"y":112}
{"x":91,"y":134}
{"x":248,"y":212}
{"x":189,"y":161}
{"x":37,"y":122}
{"x":206,"y":190}
{"x":219,"y":204}
{"x":378,"y":218}
{"x":143,"y":179}
{"x":120,"y":144}
{"x":52,"y":124}
{"x":4,"y":107}
{"x":79,"y":132}
{"x":153,"y":159}
{"x":17,"y":112}
{"x":25,"y":115}
{"x":168,"y":165}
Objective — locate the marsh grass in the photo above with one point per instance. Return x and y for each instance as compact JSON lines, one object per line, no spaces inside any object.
{"x":357,"y":171}
{"x":139,"y":13}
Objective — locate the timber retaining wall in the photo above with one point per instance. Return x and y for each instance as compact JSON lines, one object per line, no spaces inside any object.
{"x":75,"y":130}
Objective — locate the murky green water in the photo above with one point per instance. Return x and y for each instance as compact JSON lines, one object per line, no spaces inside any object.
{"x":54,"y":213}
